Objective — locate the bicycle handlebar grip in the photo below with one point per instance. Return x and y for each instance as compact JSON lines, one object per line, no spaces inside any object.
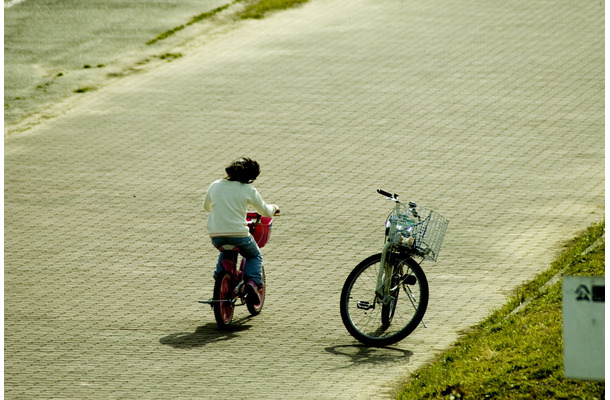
{"x":384,"y":193}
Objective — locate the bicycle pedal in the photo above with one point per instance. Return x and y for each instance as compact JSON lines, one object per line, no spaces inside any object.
{"x":365,"y":305}
{"x":208,"y":302}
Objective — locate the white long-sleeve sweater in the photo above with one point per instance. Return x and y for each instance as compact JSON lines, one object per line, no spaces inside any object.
{"x":227,"y":201}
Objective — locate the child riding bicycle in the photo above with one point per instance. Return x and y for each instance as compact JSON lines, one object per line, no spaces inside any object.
{"x":227,"y":202}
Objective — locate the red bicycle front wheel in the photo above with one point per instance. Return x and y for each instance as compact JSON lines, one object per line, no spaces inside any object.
{"x":223,"y":296}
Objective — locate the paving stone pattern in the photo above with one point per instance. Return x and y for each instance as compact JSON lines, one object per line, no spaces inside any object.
{"x":490,"y":112}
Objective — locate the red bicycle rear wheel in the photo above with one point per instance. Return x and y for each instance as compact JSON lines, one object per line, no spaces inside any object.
{"x":223,"y":296}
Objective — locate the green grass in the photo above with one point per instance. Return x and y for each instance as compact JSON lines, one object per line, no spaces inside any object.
{"x":169,"y":56}
{"x":258,"y":8}
{"x":255,"y":9}
{"x":194,"y":20}
{"x":83,"y":90}
{"x":517,"y":354}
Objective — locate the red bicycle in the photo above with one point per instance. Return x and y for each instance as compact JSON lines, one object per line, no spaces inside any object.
{"x":230,"y":288}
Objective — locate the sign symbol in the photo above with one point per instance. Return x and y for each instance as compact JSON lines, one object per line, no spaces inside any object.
{"x":582,"y":293}
{"x":599,"y":294}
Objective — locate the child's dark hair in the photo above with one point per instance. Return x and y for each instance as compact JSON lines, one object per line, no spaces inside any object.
{"x":244,"y":170}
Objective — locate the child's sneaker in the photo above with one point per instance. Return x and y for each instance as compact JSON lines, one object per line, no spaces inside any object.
{"x":252,"y":295}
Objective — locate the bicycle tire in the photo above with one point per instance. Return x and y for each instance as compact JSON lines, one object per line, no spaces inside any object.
{"x":388,"y":309}
{"x":360,"y":306}
{"x":255,"y":310}
{"x":223,"y":293}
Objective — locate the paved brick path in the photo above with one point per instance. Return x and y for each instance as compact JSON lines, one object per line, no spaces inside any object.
{"x":492,"y":113}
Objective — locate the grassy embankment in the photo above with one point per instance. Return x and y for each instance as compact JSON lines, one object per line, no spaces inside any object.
{"x":517,"y":353}
{"x":255,"y":9}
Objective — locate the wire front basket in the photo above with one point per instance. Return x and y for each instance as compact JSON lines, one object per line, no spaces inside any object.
{"x":424,"y":234}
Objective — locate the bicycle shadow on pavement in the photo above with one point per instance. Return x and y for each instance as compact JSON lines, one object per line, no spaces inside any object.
{"x":360,"y":354}
{"x":206,"y":334}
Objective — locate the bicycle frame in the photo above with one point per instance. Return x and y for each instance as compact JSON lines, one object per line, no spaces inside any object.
{"x":386,"y":269}
{"x":229,"y":264}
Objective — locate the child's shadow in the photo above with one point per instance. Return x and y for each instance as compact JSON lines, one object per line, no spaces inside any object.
{"x":206,"y":334}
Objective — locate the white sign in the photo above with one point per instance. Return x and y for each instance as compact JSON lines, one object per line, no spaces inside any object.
{"x":583,"y":327}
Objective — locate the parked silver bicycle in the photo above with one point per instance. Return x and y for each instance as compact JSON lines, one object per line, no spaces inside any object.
{"x":372,"y":307}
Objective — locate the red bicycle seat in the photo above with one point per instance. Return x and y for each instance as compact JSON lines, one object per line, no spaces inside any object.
{"x":228,"y":247}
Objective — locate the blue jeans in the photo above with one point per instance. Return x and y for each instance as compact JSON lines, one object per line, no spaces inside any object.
{"x":249,"y":250}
